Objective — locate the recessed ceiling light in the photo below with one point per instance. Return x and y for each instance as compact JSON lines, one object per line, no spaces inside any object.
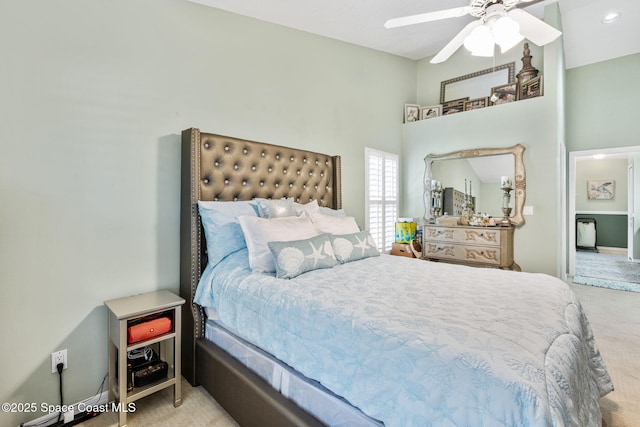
{"x":611,"y":17}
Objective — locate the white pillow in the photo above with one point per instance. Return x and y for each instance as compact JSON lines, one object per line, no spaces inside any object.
{"x":335,"y":224}
{"x":258,"y":232}
{"x":268,"y":208}
{"x":334,"y":212}
{"x":307,"y":209}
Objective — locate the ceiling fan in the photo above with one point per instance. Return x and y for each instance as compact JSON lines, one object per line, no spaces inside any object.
{"x":501,"y":22}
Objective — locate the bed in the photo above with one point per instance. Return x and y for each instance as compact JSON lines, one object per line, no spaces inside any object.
{"x":367,"y":339}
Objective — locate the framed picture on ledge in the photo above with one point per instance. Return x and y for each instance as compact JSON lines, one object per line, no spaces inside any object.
{"x":504,"y":93}
{"x":531,"y":88}
{"x":455,"y":106}
{"x":430,"y":112}
{"x":411,"y":113}
{"x":474,"y":104}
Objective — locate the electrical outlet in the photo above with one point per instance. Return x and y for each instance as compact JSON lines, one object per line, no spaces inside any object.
{"x":58,"y":357}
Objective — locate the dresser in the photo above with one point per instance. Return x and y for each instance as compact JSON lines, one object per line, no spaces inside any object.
{"x":478,"y":246}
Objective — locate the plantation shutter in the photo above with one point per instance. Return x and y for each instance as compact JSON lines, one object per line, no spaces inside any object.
{"x":381,"y":190}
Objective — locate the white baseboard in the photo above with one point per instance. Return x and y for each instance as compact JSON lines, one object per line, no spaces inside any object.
{"x":609,"y":250}
{"x":79,"y":407}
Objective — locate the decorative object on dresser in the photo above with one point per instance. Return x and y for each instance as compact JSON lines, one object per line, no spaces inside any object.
{"x":454,"y":201}
{"x":435,"y":198}
{"x":506,"y":184}
{"x":479,"y":246}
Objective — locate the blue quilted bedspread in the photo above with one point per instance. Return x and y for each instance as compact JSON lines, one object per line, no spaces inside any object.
{"x":416,"y":343}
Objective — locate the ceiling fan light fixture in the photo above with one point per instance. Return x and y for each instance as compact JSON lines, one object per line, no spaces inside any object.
{"x":501,"y":22}
{"x":506,"y":33}
{"x":486,"y":51}
{"x":480,"y":42}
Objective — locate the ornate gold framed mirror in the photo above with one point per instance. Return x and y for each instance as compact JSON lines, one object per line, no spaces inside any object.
{"x":482,"y":167}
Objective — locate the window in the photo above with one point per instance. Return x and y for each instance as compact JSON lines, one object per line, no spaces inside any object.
{"x":381,"y":192}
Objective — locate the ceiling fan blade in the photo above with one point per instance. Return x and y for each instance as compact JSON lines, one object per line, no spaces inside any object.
{"x":455,"y":43}
{"x":427,"y":17}
{"x":527,"y":3}
{"x":539,"y":32}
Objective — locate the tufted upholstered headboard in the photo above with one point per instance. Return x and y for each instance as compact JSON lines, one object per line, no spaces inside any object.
{"x":221,"y":168}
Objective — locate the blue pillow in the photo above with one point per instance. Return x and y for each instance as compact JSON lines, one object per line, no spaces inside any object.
{"x":222,"y":230}
{"x":354,"y":246}
{"x":299,"y":256}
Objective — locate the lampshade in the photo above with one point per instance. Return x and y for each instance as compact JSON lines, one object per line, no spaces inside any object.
{"x":480,"y":42}
{"x":502,"y":31}
{"x":506,"y":33}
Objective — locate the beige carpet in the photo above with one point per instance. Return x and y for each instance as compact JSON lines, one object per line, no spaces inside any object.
{"x":615,"y":320}
{"x":198,"y":409}
{"x":614,"y":317}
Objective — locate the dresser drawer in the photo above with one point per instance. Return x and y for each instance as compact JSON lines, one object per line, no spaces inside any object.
{"x":486,"y":255}
{"x":476,"y":235}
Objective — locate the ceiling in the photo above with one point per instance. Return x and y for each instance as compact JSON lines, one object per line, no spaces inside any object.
{"x":361,"y":22}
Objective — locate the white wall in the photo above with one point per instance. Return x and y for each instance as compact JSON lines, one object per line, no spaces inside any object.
{"x":94,"y":97}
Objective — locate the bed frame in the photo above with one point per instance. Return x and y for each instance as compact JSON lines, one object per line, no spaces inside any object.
{"x":220,"y":168}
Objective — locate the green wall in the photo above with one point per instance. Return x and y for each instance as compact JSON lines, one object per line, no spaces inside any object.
{"x":601,"y":113}
{"x":95,"y":95}
{"x":602,"y":104}
{"x":611,"y":230}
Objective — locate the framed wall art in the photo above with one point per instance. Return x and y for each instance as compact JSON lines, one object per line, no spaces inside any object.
{"x":531,"y":88}
{"x":430,"y":112}
{"x":474,"y":104}
{"x":601,"y":189}
{"x":411,"y":113}
{"x":454,"y":106}
{"x":504,"y":93}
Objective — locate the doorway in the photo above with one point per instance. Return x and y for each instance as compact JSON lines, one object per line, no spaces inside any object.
{"x":618,"y":212}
